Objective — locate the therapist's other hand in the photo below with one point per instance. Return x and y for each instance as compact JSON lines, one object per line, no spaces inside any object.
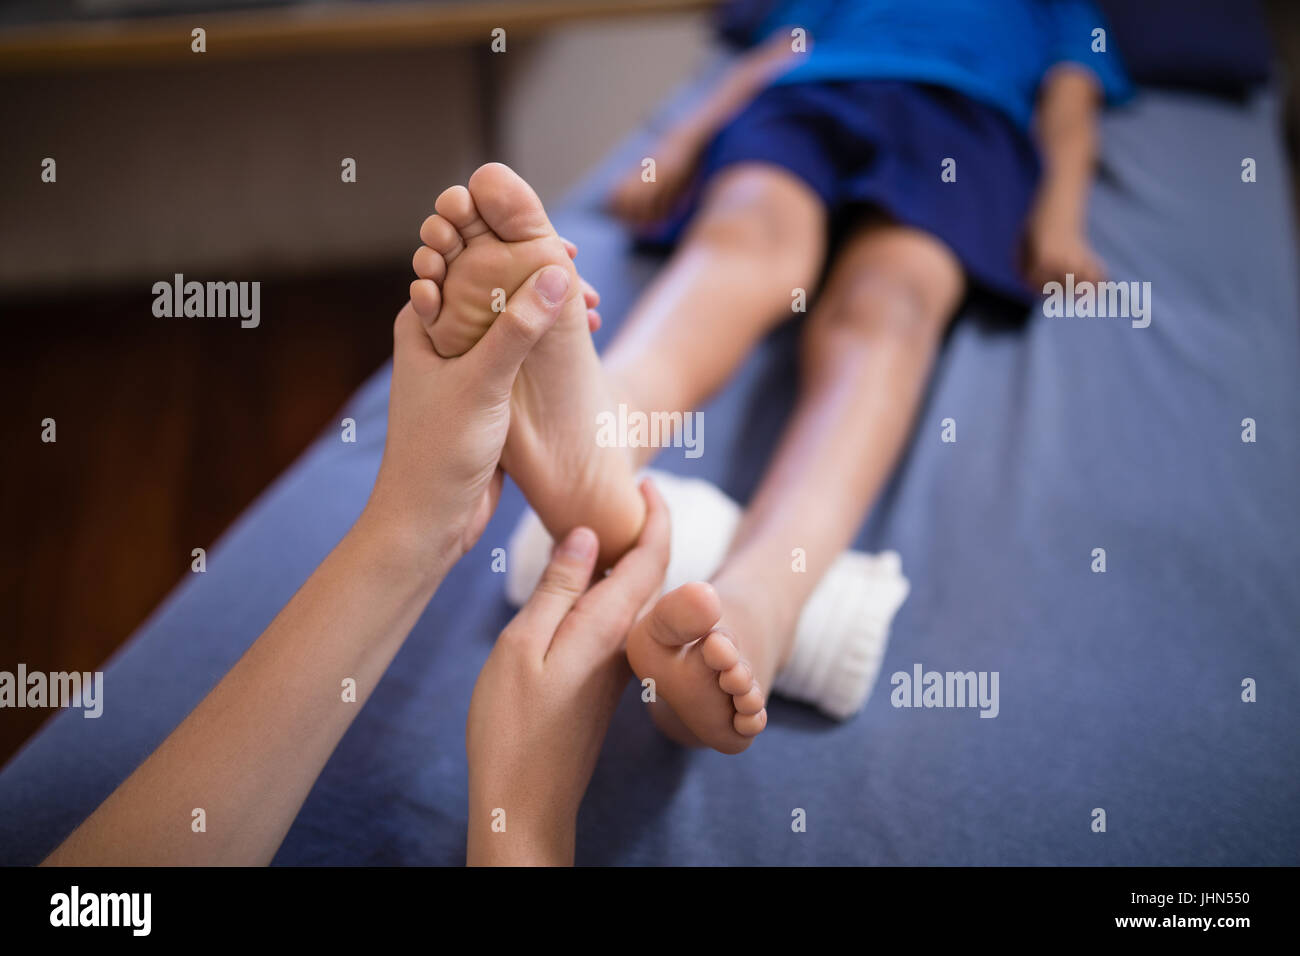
{"x":447,"y":421}
{"x":547,"y":693}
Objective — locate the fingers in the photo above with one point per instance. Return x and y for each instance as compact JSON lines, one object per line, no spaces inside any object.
{"x":562,"y":583}
{"x":610,"y":608}
{"x":616,"y":602}
{"x":409,"y":337}
{"x":592,"y":299}
{"x":641,"y":570}
{"x":529,"y":313}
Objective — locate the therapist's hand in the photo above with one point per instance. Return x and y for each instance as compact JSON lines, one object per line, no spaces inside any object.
{"x":547,"y":693}
{"x":447,"y":422}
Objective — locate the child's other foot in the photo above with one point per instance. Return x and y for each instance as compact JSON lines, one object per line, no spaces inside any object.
{"x":492,"y":236}
{"x":706,"y":695}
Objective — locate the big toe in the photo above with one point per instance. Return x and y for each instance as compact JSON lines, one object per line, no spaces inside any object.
{"x":508,"y":204}
{"x":683,"y":615}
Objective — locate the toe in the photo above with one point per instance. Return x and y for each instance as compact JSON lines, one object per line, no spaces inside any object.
{"x":429,"y":264}
{"x":457,"y":207}
{"x":426,"y":298}
{"x":720,"y":652}
{"x":683,"y":615}
{"x":750,"y":702}
{"x":736,"y":679}
{"x":441,"y":236}
{"x":750,"y":725}
{"x":508,"y":204}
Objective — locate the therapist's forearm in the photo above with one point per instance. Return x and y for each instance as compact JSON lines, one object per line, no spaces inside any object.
{"x":248,"y":755}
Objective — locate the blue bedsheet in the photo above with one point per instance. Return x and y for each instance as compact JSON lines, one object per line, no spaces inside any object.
{"x":1119,"y":691}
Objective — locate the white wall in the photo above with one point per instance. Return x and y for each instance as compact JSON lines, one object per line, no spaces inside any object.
{"x":572,"y":95}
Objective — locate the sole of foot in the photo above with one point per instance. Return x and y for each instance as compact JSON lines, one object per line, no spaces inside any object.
{"x":483,"y":242}
{"x":710,"y":697}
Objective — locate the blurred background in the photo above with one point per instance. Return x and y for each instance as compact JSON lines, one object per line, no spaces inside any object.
{"x":225,"y":165}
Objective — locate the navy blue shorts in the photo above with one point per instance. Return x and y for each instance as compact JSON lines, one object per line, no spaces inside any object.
{"x":873,"y":144}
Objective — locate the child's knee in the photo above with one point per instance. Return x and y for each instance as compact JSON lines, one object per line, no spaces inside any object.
{"x":761,"y":220}
{"x":875,"y":306}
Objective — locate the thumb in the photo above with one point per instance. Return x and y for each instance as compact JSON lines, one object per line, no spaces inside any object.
{"x":562,"y":583}
{"x":530,"y":312}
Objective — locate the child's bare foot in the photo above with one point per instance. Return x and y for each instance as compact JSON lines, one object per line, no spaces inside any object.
{"x":484,"y":241}
{"x":710,"y":696}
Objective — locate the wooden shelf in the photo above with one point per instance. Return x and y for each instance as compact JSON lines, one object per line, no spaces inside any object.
{"x":298,"y":28}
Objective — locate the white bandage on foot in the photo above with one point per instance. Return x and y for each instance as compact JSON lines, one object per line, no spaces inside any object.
{"x":703,"y":523}
{"x":841,"y":634}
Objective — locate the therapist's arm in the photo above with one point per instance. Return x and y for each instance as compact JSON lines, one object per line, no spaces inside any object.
{"x":250,"y":752}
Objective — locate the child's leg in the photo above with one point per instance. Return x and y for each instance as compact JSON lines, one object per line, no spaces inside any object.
{"x":758,"y":236}
{"x":867,"y":353}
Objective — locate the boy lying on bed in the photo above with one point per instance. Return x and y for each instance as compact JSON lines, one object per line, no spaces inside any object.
{"x":896,"y":158}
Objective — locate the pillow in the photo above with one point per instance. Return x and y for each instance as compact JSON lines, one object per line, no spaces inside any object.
{"x":738,"y":21}
{"x":1211,"y":46}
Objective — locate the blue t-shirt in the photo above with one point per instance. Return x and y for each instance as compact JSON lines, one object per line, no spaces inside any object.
{"x":995,"y":51}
